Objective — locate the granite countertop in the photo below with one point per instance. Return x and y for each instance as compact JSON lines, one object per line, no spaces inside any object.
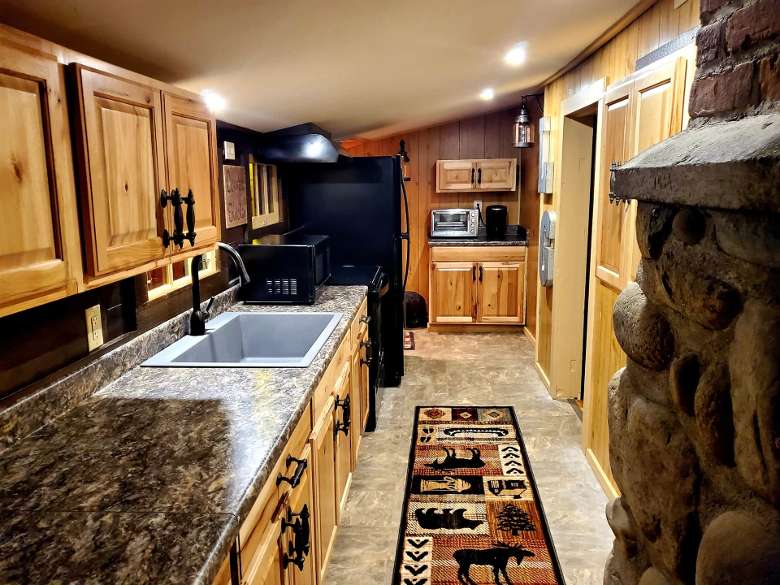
{"x":514,"y":236}
{"x":148,"y":480}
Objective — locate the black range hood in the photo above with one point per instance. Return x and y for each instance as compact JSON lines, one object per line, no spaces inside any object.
{"x":298,"y":144}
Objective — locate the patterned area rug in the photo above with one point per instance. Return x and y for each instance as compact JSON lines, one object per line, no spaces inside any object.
{"x":472,"y":514}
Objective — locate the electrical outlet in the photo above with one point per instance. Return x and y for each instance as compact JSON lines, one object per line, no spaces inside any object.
{"x":478,"y":204}
{"x":94,"y":327}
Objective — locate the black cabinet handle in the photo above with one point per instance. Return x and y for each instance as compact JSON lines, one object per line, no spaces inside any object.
{"x":473,"y":273}
{"x":295,"y":479}
{"x":479,"y":176}
{"x":480,"y":273}
{"x":190,"y":201}
{"x":343,"y":426}
{"x":166,"y":238}
{"x":299,"y":548}
{"x":365,"y":319}
{"x":473,"y":172}
{"x":367,"y":344}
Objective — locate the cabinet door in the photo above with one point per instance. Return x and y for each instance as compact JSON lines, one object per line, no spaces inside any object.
{"x":190,"y":147}
{"x":299,"y":541}
{"x":497,"y":174}
{"x":342,"y":437}
{"x":39,"y":225}
{"x":122,"y":167}
{"x":452,"y":292}
{"x":324,"y":486}
{"x":501,"y":292}
{"x":658,"y":103}
{"x":265,"y":567}
{"x":365,"y":386}
{"x":455,"y":175}
{"x":356,"y":397}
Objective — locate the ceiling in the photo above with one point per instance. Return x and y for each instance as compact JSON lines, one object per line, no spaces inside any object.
{"x":356,"y":67}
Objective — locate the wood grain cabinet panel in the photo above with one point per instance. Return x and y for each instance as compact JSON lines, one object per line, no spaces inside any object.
{"x":342,"y":437}
{"x":190,"y":141}
{"x":453,"y":292}
{"x":300,"y":570}
{"x":501,"y":296}
{"x":496,"y":174}
{"x":323,"y":454}
{"x":455,"y":175}
{"x":122,"y":165}
{"x":38,"y":225}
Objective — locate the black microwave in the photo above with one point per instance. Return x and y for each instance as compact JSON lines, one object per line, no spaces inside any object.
{"x":285,"y":269}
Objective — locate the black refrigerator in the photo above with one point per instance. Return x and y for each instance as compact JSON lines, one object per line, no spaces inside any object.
{"x":358,"y":202}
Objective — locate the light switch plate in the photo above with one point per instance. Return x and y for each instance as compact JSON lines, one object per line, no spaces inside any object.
{"x":230,"y":150}
{"x":94,"y":327}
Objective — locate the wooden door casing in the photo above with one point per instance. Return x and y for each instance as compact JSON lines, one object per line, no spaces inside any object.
{"x":39,"y":239}
{"x":455,"y":175}
{"x":122,"y":165}
{"x":496,"y":174}
{"x":453,"y":293}
{"x":501,"y":292}
{"x":190,"y":141}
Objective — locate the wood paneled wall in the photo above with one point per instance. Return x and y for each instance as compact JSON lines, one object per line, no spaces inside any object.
{"x":487,"y":136}
{"x":658,"y":25}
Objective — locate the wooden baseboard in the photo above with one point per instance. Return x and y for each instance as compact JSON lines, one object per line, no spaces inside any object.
{"x":460,"y":328}
{"x":606,"y":483}
{"x":542,"y":375}
{"x":529,"y":335}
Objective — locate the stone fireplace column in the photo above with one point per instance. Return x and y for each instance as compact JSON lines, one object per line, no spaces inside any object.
{"x":694,"y":418}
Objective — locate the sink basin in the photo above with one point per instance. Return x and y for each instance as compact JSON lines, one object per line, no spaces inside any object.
{"x":251,"y":340}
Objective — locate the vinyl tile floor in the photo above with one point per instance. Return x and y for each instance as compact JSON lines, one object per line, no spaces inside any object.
{"x":478,"y":369}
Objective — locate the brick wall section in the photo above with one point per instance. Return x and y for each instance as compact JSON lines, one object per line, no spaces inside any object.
{"x":738,"y":58}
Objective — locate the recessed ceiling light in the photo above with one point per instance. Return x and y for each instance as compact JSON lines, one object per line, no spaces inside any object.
{"x":214,"y":102}
{"x":516,"y":55}
{"x":487,"y":94}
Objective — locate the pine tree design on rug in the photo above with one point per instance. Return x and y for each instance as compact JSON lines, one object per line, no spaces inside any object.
{"x":472,"y":514}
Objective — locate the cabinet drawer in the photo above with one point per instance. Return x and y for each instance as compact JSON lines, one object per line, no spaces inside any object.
{"x":324,"y":389}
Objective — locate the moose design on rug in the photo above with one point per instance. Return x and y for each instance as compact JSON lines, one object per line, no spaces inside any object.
{"x":496,"y":557}
{"x":446,"y":518}
{"x":452,"y":461}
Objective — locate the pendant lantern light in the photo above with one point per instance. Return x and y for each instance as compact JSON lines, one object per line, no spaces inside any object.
{"x":523,"y":130}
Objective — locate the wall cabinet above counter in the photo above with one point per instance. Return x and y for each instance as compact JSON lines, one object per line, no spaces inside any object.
{"x":135,"y":139}
{"x":490,"y":174}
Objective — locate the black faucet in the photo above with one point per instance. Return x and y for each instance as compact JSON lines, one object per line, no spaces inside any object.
{"x":198,"y":318}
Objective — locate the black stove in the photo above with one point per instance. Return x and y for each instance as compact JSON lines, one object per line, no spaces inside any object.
{"x":378,"y":286}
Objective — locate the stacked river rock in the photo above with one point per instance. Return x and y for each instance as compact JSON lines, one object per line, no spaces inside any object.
{"x":695,"y":416}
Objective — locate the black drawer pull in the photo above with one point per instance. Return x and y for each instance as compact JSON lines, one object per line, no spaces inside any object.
{"x":365,"y":319}
{"x":296,"y":477}
{"x":343,"y":426}
{"x":299,"y":548}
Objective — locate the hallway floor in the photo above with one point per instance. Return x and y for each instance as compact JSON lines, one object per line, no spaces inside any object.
{"x":490,"y":370}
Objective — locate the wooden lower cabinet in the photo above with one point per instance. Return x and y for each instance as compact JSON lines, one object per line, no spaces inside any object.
{"x":289,"y":532}
{"x":452,"y":292}
{"x":501,"y":296}
{"x":476,"y":285}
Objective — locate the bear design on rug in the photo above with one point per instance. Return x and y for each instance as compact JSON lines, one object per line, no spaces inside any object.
{"x":452,"y":461}
{"x":497,"y":558}
{"x":433,"y":519}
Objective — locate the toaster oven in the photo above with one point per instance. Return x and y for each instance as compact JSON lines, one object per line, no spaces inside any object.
{"x":454,"y":223}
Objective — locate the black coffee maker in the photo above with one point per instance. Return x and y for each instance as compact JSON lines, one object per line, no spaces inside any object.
{"x":495,"y":221}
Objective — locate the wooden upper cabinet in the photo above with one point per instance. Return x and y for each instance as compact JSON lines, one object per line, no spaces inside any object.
{"x":122,"y":165}
{"x":488,"y":174}
{"x":39,"y":254}
{"x":501,"y":296}
{"x":455,"y":175}
{"x":615,"y":130}
{"x":453,"y":292}
{"x":190,"y":146}
{"x":496,"y":174}
{"x":658,"y":105}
